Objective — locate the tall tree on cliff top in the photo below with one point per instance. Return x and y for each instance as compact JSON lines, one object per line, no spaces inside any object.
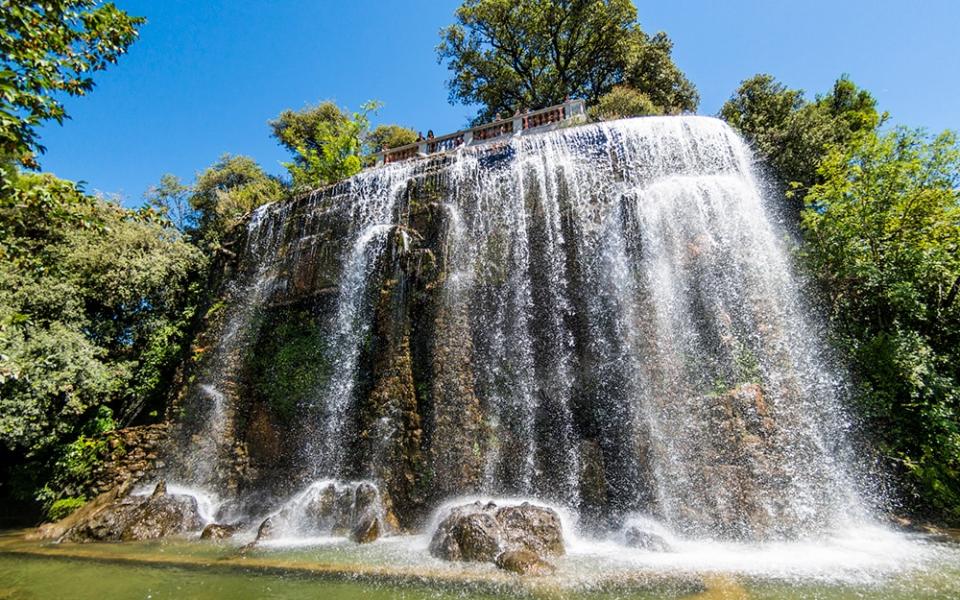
{"x":328,"y":143}
{"x":793,"y":134}
{"x":509,"y":54}
{"x":47,"y":49}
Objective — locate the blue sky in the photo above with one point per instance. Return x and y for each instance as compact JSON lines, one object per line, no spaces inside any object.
{"x":205,"y":76}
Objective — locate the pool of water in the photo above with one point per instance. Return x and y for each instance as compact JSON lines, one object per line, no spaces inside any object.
{"x":875,"y":565}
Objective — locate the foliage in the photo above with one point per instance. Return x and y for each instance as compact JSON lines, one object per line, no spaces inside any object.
{"x":326,"y":141}
{"x":48,"y":49}
{"x":290,"y":363}
{"x":651,"y":70}
{"x":171,"y":199}
{"x":93,"y":314}
{"x":622,"y":102}
{"x":387,"y":136}
{"x":792,"y":134}
{"x":227,"y":190}
{"x":64,"y":507}
{"x":883,"y":233}
{"x":507,"y":55}
{"x":390,"y":136}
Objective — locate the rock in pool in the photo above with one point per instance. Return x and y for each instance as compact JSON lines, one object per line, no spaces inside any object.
{"x":515,"y":538}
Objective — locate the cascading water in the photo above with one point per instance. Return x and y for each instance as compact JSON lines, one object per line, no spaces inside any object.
{"x":602,"y":317}
{"x":212,"y":435}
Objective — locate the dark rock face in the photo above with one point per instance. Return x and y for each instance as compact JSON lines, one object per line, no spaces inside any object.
{"x":140,"y":518}
{"x":483,"y":533}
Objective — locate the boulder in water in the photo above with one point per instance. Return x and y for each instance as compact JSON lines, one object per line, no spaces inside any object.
{"x":266,"y":530}
{"x":366,"y":530}
{"x":469,"y":534}
{"x":218,"y":531}
{"x":140,"y":518}
{"x":637,"y":537}
{"x":481,"y":533}
{"x":534,"y":528}
{"x":524,"y":562}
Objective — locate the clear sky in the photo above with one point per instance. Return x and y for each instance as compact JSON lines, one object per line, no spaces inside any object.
{"x":205,"y":76}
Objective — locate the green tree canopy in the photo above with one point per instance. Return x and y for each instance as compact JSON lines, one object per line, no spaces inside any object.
{"x":50,"y":48}
{"x":225,"y":191}
{"x":390,"y":136}
{"x":171,"y":199}
{"x":506,"y":54}
{"x":327,"y":142}
{"x":95,"y":302}
{"x":622,"y":102}
{"x":792,"y":134}
{"x":883,"y":237}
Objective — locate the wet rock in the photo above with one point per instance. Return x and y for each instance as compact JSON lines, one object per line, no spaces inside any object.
{"x":218,"y":531}
{"x":320,"y":509}
{"x":266,"y":530}
{"x":637,"y":537}
{"x":160,"y":489}
{"x":162,"y":516}
{"x":477,"y":532}
{"x":533,"y":528}
{"x":524,"y":562}
{"x":56,"y":531}
{"x":366,"y":499}
{"x":472,"y":537}
{"x":343,"y":512}
{"x":139,"y":518}
{"x":366,"y":530}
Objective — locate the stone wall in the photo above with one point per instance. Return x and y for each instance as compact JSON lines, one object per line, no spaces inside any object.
{"x":132,"y":454}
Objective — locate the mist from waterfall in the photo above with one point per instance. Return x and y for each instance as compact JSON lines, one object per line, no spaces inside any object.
{"x":636,"y":338}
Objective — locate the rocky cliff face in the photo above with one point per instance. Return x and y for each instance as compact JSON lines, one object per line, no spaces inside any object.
{"x":603,"y":318}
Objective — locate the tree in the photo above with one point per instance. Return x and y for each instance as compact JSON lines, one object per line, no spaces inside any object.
{"x":792,"y":134}
{"x":171,"y":199}
{"x":651,"y":71}
{"x":95,"y":306}
{"x":48,"y":49}
{"x":227,"y":190}
{"x":506,"y":55}
{"x":387,"y":136}
{"x":622,"y":102}
{"x":327,"y":142}
{"x":390,"y":136}
{"x":882,"y":227}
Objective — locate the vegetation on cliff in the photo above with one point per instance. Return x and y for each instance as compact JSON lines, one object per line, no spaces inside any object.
{"x":97,"y":301}
{"x":95,"y":306}
{"x":879,"y":214}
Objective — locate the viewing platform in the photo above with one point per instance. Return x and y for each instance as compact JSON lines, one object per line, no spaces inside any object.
{"x":537,"y":120}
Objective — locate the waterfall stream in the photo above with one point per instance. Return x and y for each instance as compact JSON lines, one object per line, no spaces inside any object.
{"x":601,"y":317}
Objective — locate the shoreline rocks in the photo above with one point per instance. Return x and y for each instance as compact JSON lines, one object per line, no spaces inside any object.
{"x":131,"y":518}
{"x":516,"y":538}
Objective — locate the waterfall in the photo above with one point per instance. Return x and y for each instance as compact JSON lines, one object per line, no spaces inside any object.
{"x":603,"y":317}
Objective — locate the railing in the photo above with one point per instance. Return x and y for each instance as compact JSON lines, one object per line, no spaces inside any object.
{"x":516,"y":125}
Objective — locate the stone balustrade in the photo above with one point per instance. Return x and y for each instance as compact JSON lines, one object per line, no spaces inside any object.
{"x":536,"y":120}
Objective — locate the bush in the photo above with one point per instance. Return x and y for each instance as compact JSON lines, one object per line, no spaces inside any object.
{"x":623,"y":102}
{"x":64,"y":507}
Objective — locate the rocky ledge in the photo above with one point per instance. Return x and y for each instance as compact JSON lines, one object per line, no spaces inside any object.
{"x":516,"y":538}
{"x":129,"y":518}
